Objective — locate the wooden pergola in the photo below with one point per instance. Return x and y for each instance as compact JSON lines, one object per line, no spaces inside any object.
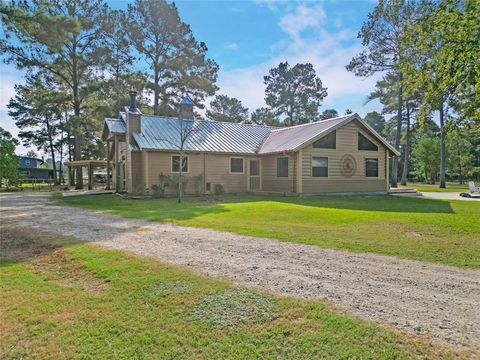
{"x":91,"y":164}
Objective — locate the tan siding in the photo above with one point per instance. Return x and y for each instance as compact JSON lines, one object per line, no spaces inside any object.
{"x":347,"y":143}
{"x":270,"y":181}
{"x":216,"y":168}
{"x":137,"y":185}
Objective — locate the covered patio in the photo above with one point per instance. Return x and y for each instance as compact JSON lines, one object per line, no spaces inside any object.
{"x":91,"y":165}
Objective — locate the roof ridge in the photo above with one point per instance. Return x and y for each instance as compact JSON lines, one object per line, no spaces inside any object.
{"x":312,"y":123}
{"x":212,"y":121}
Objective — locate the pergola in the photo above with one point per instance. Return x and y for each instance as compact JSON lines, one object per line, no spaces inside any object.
{"x":91,"y":164}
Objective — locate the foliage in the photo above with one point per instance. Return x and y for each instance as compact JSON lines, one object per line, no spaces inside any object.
{"x":9,"y":163}
{"x":444,"y":232}
{"x":328,"y":114}
{"x":459,"y":155}
{"x":63,"y":39}
{"x":295,"y":92}
{"x":425,"y":155}
{"x":225,"y":108}
{"x":4,"y":134}
{"x":376,"y":121}
{"x":177,"y":63}
{"x":263,"y":116}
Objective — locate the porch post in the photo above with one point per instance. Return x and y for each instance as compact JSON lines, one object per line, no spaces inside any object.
{"x":108,"y":165}
{"x":90,"y":187}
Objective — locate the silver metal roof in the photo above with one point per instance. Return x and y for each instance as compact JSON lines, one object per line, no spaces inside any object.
{"x":115,"y":126}
{"x":160,"y":132}
{"x":164,"y":133}
{"x":291,"y":138}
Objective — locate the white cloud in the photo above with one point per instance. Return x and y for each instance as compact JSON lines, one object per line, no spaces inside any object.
{"x":327,"y":52}
{"x":232,"y":46}
{"x":301,"y":19}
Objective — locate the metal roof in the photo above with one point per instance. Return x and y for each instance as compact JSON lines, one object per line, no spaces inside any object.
{"x":115,"y":126}
{"x":163,"y":133}
{"x":293,"y":137}
{"x":160,"y":132}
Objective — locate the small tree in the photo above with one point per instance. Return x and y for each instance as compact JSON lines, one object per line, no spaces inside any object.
{"x":459,"y":155}
{"x":186,"y":130}
{"x":9,"y":163}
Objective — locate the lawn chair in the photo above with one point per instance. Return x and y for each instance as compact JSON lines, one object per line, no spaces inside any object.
{"x":472,"y":189}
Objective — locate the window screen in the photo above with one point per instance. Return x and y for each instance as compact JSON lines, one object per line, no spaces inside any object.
{"x":365,"y":144}
{"x":327,"y":142}
{"x":236,"y":165}
{"x":371,"y":167}
{"x":254,"y":167}
{"x":176,"y":164}
{"x":282,"y":167}
{"x":319,"y":166}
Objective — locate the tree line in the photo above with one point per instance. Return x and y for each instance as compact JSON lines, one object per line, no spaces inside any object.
{"x":81,"y":58}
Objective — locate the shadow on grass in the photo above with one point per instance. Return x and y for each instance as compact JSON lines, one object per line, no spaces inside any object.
{"x":168,"y":209}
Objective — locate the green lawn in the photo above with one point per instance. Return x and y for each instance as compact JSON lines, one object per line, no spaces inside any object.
{"x":446,"y":232}
{"x":451,"y":187}
{"x":72,"y":301}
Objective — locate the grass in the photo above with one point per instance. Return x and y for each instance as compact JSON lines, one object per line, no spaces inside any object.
{"x":451,"y":187}
{"x":61,"y":300}
{"x":446,"y":232}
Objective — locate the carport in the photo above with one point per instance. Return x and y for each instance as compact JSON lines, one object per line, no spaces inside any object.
{"x":91,"y":165}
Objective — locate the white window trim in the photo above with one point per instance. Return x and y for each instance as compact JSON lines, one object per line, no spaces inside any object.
{"x":230,"y":165}
{"x":276,"y":168}
{"x":178,"y":172}
{"x":365,"y":168}
{"x":311,"y":167}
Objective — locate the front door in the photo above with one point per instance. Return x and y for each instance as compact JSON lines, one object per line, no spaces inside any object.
{"x":254,"y":181}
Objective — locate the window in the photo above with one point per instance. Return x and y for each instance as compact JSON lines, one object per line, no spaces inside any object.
{"x":327,"y":142}
{"x":236,"y":165}
{"x":282,"y":167}
{"x":366,"y":144}
{"x":319,"y":166}
{"x":27,"y":162}
{"x":371,"y":167}
{"x":176,"y":164}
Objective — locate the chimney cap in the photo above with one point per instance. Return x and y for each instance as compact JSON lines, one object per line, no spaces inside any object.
{"x":187,"y":101}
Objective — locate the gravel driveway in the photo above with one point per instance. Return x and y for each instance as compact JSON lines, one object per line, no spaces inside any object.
{"x":442,"y":302}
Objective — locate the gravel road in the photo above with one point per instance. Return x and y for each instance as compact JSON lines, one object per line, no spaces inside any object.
{"x":439,"y":301}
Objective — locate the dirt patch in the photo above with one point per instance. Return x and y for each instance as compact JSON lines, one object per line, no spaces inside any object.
{"x":59,"y":267}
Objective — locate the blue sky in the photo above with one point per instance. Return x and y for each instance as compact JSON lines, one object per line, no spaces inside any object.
{"x":247,"y":38}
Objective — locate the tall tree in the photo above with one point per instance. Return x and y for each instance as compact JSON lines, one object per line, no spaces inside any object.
{"x":9,"y":162}
{"x":382,"y":35}
{"x":225,"y":108}
{"x":36,"y":109}
{"x":376,"y":121}
{"x":328,"y":114}
{"x":62,"y":37}
{"x":263,"y":116}
{"x":294,"y":92}
{"x":177,"y":62}
{"x":459,"y":162}
{"x":444,"y":62}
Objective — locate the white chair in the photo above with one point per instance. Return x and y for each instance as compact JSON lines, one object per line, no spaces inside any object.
{"x":472,"y":189}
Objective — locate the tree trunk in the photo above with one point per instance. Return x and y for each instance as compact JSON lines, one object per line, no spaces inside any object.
{"x":52,"y":151}
{"x":407,"y":148}
{"x":76,"y":113}
{"x":397,"y":137}
{"x":156,"y":93}
{"x":442,"y":149}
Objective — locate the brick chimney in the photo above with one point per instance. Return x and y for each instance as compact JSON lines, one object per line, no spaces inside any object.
{"x":186,"y":108}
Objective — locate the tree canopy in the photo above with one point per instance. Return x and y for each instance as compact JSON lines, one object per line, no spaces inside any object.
{"x":225,"y":108}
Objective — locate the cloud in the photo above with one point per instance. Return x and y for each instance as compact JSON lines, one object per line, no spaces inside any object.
{"x":329,"y":52}
{"x":232,"y":46}
{"x":301,"y":19}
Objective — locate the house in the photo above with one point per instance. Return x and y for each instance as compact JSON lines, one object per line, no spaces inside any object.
{"x":29,"y":169}
{"x":339,"y":155}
